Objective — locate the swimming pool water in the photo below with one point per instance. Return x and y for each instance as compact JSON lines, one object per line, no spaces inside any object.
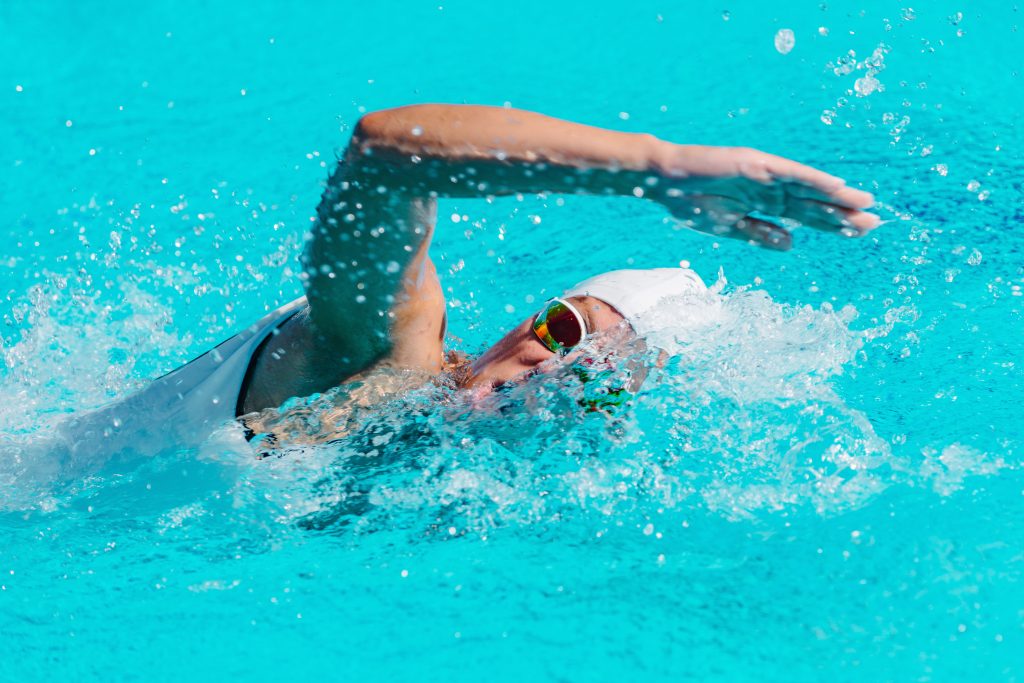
{"x":823,"y":483}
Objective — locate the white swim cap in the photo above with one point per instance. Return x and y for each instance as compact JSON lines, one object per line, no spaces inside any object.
{"x":636,"y":293}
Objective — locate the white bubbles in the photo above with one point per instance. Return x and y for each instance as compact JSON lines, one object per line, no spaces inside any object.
{"x":866,"y":85}
{"x":784,"y":40}
{"x":948,"y":469}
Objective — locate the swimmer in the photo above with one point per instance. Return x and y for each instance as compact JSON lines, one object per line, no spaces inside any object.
{"x":373,"y":303}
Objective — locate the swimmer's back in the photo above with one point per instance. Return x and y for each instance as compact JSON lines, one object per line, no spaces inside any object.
{"x":184,"y":406}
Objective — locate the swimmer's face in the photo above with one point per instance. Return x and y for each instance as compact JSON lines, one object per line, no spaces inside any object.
{"x":520,"y":351}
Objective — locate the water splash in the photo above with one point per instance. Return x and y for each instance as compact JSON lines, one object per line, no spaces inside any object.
{"x":739,"y":417}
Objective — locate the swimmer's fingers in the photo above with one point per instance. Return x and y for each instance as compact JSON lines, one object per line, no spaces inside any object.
{"x":763,"y":234}
{"x":830,"y":218}
{"x":725,"y":217}
{"x":805,"y":181}
{"x":843,"y":195}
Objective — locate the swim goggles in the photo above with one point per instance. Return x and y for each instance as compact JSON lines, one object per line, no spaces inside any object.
{"x":560,"y":326}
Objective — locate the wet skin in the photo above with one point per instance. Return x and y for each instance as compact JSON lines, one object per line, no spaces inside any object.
{"x":520,"y":351}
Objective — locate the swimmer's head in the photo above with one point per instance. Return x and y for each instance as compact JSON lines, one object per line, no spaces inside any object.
{"x":637,"y":294}
{"x":620,"y":300}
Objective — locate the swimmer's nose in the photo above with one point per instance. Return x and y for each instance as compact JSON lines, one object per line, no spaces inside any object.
{"x":516,"y":355}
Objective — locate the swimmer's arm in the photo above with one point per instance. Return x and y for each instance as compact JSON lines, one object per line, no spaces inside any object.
{"x":475,"y":151}
{"x":442,"y":150}
{"x":369,"y":280}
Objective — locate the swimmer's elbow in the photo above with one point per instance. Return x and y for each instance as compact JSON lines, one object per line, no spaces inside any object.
{"x":401,"y":129}
{"x":373,"y":130}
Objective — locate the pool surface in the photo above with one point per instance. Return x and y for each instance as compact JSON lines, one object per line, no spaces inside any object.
{"x":823,"y":483}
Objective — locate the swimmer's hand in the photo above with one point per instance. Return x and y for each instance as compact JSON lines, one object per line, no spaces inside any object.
{"x":715,"y":189}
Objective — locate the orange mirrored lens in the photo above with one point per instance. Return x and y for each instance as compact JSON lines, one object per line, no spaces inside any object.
{"x":561,"y":324}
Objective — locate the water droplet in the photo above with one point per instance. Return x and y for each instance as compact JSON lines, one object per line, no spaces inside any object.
{"x":417,"y":130}
{"x":909,"y":14}
{"x":941,"y":169}
{"x":726,"y":15}
{"x":974,"y":258}
{"x":973,"y":186}
{"x":822,"y":31}
{"x":866,"y":85}
{"x":784,"y":40}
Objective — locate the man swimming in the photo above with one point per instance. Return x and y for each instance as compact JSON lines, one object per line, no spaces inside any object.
{"x":373,"y":299}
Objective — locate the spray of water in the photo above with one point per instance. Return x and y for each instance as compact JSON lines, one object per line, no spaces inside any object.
{"x":740,"y":415}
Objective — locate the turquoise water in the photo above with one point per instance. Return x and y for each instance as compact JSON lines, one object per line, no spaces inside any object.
{"x":825,"y":482}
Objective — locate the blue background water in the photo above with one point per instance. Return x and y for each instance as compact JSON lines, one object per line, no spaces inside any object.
{"x":828,"y":486}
